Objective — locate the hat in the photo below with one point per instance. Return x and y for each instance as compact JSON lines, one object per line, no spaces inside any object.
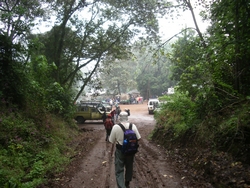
{"x":123,"y":116}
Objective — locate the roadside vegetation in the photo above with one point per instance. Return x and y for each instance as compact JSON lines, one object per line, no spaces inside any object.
{"x":32,"y":149}
{"x":212,"y":146}
{"x":207,"y":119}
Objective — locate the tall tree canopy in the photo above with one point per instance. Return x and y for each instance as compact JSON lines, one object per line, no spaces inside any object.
{"x":84,"y":33}
{"x":212,"y":67}
{"x":105,"y":31}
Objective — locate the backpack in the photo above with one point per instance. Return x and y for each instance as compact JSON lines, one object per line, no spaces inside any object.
{"x":108,"y":124}
{"x":130,"y":141}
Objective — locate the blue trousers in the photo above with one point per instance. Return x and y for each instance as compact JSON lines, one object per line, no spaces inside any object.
{"x":123,"y":163}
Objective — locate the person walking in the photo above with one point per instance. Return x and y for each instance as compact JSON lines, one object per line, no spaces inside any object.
{"x":111,"y":103}
{"x":122,"y":162}
{"x":113,"y":114}
{"x":108,"y":124}
{"x":104,"y":116}
{"x":117,"y":112}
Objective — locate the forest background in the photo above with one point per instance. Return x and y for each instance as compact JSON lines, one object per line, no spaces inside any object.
{"x":43,"y":75}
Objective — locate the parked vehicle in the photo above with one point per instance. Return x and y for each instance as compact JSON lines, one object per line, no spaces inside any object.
{"x":90,"y":110}
{"x":107,"y":106}
{"x":152,"y":105}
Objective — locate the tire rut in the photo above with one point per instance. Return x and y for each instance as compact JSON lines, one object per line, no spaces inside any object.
{"x":152,"y":169}
{"x":97,"y":165}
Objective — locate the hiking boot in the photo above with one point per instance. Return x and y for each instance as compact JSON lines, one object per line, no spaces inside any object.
{"x":127,"y":184}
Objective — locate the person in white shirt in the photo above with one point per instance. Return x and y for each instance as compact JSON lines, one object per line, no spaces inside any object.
{"x":122,"y":161}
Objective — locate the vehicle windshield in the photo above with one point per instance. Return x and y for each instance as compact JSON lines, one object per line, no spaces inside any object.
{"x":153,"y":103}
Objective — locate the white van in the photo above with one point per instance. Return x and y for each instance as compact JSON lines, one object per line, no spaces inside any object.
{"x":152,"y":104}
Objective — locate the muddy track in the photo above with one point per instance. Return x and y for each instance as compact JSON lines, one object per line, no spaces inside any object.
{"x":93,"y":166}
{"x":152,"y":168}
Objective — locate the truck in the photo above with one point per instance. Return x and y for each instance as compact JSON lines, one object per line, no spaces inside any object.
{"x":124,"y":98}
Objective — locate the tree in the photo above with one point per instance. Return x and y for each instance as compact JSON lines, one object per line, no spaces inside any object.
{"x":189,"y":66}
{"x":229,"y":39}
{"x":118,"y":77}
{"x":17,"y":18}
{"x":153,"y":77}
{"x":107,"y":31}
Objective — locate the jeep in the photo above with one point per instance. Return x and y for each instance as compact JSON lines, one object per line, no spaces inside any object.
{"x":90,"y":110}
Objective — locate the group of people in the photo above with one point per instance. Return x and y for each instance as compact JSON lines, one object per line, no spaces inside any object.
{"x":112,"y":118}
{"x":114,"y":101}
{"x":115,"y":135}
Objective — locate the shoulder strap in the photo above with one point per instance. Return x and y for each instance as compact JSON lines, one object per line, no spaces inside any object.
{"x":122,"y":127}
{"x":130,"y":126}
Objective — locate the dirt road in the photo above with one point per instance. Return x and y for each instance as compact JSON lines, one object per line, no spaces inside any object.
{"x":93,"y":167}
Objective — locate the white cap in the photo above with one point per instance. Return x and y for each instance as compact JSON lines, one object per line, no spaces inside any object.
{"x":123,"y":116}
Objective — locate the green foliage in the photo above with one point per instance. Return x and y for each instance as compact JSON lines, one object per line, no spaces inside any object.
{"x":153,"y":69}
{"x":230,"y":40}
{"x":180,"y":121}
{"x":189,"y":67}
{"x":29,"y":150}
{"x":233,"y":125}
{"x":218,"y":117}
{"x":50,"y":96}
{"x":213,"y":74}
{"x":12,"y":75}
{"x":118,"y":76}
{"x":177,"y":112}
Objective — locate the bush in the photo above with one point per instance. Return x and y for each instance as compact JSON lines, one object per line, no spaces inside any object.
{"x":178,"y":112}
{"x":31,"y":151}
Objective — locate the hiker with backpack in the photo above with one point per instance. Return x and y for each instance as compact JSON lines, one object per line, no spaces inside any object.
{"x":125,"y":137}
{"x":108,"y":124}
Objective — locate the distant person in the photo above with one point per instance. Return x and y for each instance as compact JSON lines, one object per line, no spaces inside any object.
{"x":108,"y":124}
{"x":113,"y":113}
{"x":121,"y":160}
{"x":117,"y":112}
{"x":127,"y":110}
{"x":104,"y":116}
{"x":111,"y":103}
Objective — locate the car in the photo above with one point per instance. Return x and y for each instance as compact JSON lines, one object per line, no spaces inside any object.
{"x":107,"y":106}
{"x":90,"y":110}
{"x":152,"y":105}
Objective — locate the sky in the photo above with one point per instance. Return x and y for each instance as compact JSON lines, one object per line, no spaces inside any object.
{"x":168,"y":27}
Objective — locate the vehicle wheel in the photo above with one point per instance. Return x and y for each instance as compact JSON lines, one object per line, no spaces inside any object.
{"x":80,"y":120}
